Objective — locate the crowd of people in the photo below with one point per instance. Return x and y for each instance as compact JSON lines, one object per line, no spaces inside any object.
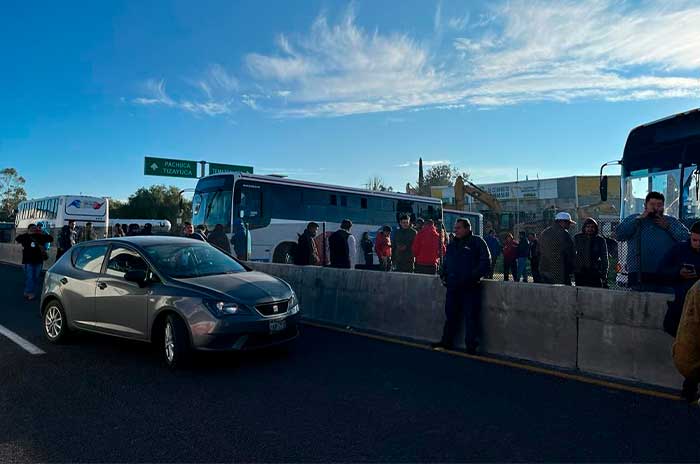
{"x":412,"y":247}
{"x":662,"y":255}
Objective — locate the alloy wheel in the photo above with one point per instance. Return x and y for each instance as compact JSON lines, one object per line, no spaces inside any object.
{"x":169,"y":343}
{"x":53,"y":322}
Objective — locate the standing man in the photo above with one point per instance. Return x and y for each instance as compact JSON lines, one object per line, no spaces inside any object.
{"x":686,"y":349}
{"x":681,"y":267}
{"x":649,"y":237}
{"x":467,"y":261}
{"x":33,"y":256}
{"x":523,"y":254}
{"x":307,"y":253}
{"x":342,"y":246}
{"x":428,"y":248}
{"x":382,"y":246}
{"x":534,"y":257}
{"x":403,"y":257}
{"x":510,"y":258}
{"x":591,"y":263}
{"x":66,"y":240}
{"x":87,"y":234}
{"x":219,"y":239}
{"x":495,"y":248}
{"x":557,"y":251}
{"x":240,"y":239}
{"x":188,"y":231}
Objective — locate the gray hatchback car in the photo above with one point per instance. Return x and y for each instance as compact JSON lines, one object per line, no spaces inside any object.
{"x":180,"y":293}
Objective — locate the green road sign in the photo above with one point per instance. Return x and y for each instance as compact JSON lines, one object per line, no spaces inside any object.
{"x":215,"y":168}
{"x":169,"y":167}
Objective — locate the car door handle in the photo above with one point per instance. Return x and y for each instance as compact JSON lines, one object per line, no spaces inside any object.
{"x":64,"y":281}
{"x":102,"y":285}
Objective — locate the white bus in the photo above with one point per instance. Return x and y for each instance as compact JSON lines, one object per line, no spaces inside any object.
{"x":476,"y":219}
{"x":277,"y":210}
{"x":55,"y":212}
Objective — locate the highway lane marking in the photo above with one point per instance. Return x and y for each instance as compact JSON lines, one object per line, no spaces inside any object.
{"x":27,"y":346}
{"x":512,"y":364}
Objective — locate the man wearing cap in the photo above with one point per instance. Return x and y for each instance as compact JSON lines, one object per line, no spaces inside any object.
{"x":556,"y":249}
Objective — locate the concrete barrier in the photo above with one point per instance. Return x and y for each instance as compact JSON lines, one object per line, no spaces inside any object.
{"x":11,"y":253}
{"x":597,"y":331}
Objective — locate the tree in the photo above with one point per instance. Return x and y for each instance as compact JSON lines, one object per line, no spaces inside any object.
{"x":443,"y":174}
{"x":11,"y":192}
{"x":376,"y":183}
{"x":155,"y":202}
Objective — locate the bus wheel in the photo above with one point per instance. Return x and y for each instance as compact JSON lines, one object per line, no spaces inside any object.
{"x":284,"y":253}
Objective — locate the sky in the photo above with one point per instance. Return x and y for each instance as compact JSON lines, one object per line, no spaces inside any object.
{"x":335,"y":92}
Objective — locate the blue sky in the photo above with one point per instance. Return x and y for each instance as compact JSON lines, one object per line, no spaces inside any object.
{"x":332,"y":91}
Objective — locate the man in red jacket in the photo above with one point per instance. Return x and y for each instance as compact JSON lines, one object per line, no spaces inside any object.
{"x":427,"y":248}
{"x":382,"y":247}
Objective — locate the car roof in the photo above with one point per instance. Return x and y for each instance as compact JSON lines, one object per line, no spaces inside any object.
{"x":146,"y":240}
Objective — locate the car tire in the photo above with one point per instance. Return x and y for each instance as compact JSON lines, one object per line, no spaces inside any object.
{"x":175,"y":342}
{"x":55,"y":322}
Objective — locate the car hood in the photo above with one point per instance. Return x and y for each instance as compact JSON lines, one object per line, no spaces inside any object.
{"x":245,"y":287}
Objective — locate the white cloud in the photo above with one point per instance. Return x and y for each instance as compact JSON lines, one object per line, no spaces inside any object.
{"x":426,"y":163}
{"x":458,"y":23}
{"x":340,"y":69}
{"x":517,"y":51}
{"x":217,"y":85}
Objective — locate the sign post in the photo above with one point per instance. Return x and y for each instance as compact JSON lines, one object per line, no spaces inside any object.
{"x":170,"y":167}
{"x":217,"y":168}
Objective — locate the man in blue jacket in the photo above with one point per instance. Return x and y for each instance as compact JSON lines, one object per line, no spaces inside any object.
{"x":681,"y":267}
{"x":467,"y":261}
{"x":649,"y":237}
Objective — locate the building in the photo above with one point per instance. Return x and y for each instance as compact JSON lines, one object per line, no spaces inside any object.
{"x":536,"y":201}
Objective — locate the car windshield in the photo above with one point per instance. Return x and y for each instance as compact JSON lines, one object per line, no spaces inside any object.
{"x":184,"y":261}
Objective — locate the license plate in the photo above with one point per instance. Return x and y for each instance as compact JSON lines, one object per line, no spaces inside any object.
{"x":278,"y":326}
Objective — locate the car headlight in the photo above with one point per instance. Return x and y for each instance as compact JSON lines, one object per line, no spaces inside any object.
{"x":293,"y":305}
{"x":223,"y":308}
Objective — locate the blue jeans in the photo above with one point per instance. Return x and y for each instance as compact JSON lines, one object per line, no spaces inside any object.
{"x":32,"y":275}
{"x":522,"y":270}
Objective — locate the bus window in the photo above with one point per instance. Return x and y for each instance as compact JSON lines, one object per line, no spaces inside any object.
{"x":343,"y":200}
{"x":251,"y":203}
{"x":363,"y":203}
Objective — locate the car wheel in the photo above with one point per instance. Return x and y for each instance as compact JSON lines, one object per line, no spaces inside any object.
{"x":175,"y":342}
{"x":55,"y":322}
{"x":284,"y":253}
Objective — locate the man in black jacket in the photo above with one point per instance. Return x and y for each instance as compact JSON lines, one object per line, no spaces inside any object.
{"x":467,"y":261}
{"x":306,"y":253}
{"x":341,"y":244}
{"x":33,"y":256}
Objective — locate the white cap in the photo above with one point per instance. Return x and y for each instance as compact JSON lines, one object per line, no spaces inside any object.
{"x":564,"y":217}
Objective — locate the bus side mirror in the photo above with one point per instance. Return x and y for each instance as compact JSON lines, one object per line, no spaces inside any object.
{"x":604,"y":188}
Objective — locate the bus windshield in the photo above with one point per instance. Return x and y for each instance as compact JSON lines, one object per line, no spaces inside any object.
{"x":211,"y":204}
{"x":637,"y":185}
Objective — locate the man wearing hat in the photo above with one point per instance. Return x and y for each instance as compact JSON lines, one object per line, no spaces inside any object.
{"x":557,"y":251}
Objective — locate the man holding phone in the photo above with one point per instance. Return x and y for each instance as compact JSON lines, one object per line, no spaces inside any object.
{"x":680,"y":266}
{"x":650,"y":236}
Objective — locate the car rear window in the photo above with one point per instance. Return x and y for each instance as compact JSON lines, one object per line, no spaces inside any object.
{"x":90,"y":258}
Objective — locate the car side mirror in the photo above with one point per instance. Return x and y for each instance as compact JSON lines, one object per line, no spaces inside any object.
{"x":604,"y":188}
{"x":137,"y":276}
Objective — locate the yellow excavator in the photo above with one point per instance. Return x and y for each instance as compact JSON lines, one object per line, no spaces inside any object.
{"x":463,"y":188}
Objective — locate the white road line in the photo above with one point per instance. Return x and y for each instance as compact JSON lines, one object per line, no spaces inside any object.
{"x":27,"y":346}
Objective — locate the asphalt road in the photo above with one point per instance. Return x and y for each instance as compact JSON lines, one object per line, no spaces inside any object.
{"x":330,"y":397}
